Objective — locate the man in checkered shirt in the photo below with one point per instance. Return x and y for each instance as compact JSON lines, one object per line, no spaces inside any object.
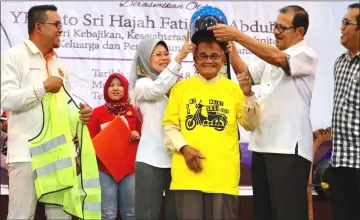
{"x":345,"y":178}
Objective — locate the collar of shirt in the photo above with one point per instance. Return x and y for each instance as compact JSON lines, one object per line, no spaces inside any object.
{"x":34,"y":49}
{"x":348,"y":56}
{"x":299,"y":44}
{"x":213,"y":80}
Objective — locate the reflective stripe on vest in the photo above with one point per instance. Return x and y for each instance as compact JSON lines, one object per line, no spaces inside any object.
{"x":92,"y":206}
{"x":91,"y":183}
{"x":55,"y":166}
{"x":49,"y":145}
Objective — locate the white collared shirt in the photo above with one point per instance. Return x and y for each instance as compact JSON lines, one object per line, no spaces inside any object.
{"x":23,"y":71}
{"x":285,"y":100}
{"x":151,"y":99}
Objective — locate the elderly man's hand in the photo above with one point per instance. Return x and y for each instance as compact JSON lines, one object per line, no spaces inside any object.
{"x":245,"y":83}
{"x":224,"y":32}
{"x":192,"y":158}
{"x":85,"y":113}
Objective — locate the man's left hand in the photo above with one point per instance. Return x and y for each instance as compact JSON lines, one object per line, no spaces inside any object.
{"x":85,"y":113}
{"x":224,"y":32}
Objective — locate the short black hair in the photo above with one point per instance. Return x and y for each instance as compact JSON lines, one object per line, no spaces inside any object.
{"x":205,"y":36}
{"x":355,"y":5}
{"x":301,"y":17}
{"x":37,"y":14}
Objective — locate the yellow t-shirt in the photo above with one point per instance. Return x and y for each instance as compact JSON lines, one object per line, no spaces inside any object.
{"x":207,"y":113}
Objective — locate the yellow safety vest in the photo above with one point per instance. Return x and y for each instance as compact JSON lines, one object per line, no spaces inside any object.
{"x":53,"y":160}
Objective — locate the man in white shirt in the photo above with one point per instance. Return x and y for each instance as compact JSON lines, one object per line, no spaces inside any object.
{"x":282,"y":144}
{"x":29,"y":70}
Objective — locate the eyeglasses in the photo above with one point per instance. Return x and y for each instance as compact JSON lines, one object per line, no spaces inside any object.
{"x":212,"y":56}
{"x":160,"y":55}
{"x":345,"y":23}
{"x":58,"y":25}
{"x":281,"y":28}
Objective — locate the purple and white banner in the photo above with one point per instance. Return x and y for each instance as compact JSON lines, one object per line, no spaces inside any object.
{"x":100,"y":38}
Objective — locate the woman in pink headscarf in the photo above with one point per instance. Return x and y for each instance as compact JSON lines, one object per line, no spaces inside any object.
{"x":115,"y":194}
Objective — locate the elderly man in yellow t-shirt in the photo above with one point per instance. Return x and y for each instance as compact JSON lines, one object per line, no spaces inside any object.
{"x":200,"y":122}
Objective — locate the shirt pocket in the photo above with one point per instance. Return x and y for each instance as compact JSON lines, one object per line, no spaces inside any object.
{"x":352,"y":96}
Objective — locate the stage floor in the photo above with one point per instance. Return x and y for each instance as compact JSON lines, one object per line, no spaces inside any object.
{"x":322,"y":209}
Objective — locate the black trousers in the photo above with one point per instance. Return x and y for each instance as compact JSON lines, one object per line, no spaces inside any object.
{"x":345,"y":193}
{"x":280,"y":184}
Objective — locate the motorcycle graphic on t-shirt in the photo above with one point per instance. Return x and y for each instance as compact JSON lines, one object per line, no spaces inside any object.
{"x":214,"y":119}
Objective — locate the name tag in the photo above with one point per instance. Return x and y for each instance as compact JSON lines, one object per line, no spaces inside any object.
{"x":35,"y":69}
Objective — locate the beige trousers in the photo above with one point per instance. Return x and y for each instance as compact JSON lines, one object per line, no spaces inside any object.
{"x":22,"y":195}
{"x":196,"y":205}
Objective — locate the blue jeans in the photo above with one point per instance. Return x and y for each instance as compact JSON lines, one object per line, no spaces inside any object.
{"x":117,"y":195}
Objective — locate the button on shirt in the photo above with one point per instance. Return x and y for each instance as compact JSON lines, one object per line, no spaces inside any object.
{"x":346,"y":112}
{"x":284,"y":101}
{"x":23,"y":70}
{"x":150,"y":96}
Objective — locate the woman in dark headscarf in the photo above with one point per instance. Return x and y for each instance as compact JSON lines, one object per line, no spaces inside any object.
{"x":152,"y":75}
{"x":115,"y":194}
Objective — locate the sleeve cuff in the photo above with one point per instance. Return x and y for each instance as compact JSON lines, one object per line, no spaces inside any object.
{"x":251,"y":77}
{"x":39,"y":90}
{"x":174,"y":68}
{"x":173,"y":137}
{"x":250,"y":101}
{"x":288,"y":71}
{"x":180,"y":145}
